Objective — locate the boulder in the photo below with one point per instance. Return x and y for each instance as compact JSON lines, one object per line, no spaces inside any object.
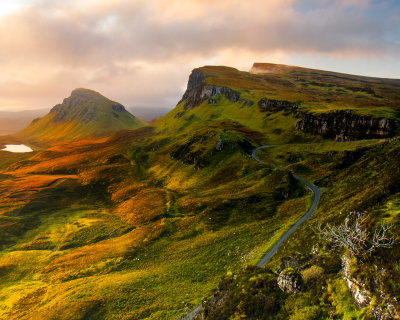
{"x":290,"y":281}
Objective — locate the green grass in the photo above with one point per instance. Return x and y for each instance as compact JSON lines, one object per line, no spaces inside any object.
{"x":143,"y":225}
{"x":91,"y":263}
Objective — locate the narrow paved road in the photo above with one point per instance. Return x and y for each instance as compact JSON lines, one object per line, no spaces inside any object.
{"x":315,"y":191}
{"x":275,"y":247}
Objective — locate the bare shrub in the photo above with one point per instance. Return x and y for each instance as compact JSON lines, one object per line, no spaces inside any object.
{"x":355,"y":235}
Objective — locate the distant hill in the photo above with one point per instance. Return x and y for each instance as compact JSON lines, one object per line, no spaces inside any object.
{"x":148,"y":113}
{"x":264,"y":68}
{"x":14,"y":121}
{"x":86,"y":113}
{"x":34,"y":113}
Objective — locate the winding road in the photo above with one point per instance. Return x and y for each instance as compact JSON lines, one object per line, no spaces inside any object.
{"x":316,"y":191}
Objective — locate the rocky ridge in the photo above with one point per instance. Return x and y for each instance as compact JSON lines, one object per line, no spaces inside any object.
{"x":339,"y":125}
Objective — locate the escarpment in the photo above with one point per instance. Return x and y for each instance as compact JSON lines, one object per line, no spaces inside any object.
{"x":340,"y":125}
{"x":347,"y":126}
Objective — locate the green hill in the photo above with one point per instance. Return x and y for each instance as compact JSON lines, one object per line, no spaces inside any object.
{"x":147,"y":223}
{"x":331,"y":105}
{"x":85,"y":114}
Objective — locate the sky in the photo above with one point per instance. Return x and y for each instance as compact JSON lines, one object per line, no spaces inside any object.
{"x":141,"y":52}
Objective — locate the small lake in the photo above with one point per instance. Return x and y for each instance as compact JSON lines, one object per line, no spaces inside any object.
{"x":17,"y":148}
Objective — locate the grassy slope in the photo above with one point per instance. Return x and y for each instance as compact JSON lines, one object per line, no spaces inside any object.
{"x":355,"y":176}
{"x":139,"y":242}
{"x":153,"y":236}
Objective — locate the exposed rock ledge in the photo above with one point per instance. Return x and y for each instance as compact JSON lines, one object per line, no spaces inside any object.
{"x":341,"y":125}
{"x":346,"y":126}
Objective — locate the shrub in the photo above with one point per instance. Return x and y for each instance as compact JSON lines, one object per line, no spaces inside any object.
{"x":311,"y":274}
{"x":307,"y":313}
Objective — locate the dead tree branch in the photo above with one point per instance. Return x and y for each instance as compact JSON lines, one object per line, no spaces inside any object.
{"x":354,"y":235}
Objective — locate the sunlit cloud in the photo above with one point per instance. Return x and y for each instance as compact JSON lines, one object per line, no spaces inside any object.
{"x":141,"y":52}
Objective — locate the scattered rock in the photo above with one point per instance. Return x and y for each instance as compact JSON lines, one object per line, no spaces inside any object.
{"x":118,"y":107}
{"x":380,"y":314}
{"x":179,"y":115}
{"x":315,"y":250}
{"x":220,"y":145}
{"x":247,"y":103}
{"x":276,"y":105}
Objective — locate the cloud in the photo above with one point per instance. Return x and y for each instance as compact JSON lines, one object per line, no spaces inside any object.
{"x":141,"y":52}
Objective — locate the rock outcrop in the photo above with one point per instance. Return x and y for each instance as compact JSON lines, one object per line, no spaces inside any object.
{"x":214,"y":303}
{"x":362,"y":297}
{"x":380,"y":314}
{"x":382,"y":306}
{"x":346,"y":126}
{"x":290,"y":281}
{"x":269,"y":105}
{"x":199,"y":91}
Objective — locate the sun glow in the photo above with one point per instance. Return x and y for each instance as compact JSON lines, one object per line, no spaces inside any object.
{"x":9,"y":6}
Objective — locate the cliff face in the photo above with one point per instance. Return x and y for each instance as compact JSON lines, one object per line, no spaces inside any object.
{"x":347,"y":126}
{"x":337,"y":125}
{"x":199,"y":91}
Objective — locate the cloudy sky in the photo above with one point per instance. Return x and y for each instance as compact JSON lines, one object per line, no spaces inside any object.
{"x":140,"y":52}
